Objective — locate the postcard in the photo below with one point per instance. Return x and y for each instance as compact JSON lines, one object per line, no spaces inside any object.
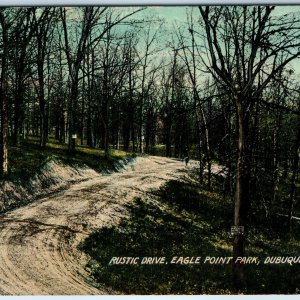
{"x":149,"y":150}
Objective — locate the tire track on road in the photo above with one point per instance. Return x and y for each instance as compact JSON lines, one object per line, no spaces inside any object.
{"x":38,"y":242}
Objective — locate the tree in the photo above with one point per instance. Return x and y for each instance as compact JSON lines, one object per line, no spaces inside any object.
{"x":241,"y":43}
{"x":42,"y":25}
{"x":90,"y":17}
{"x":148,"y":74}
{"x":295,"y":170}
{"x":20,"y":36}
{"x":3,"y":97}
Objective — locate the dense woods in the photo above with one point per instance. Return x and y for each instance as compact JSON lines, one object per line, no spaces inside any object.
{"x":221,"y":87}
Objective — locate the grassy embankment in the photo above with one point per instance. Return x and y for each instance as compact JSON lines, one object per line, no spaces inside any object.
{"x":26,"y":160}
{"x":185,"y":219}
{"x":35,"y":173}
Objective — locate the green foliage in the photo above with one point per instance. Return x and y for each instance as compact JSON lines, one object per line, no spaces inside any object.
{"x":169,"y":228}
{"x":26,"y":160}
{"x":186,"y":220}
{"x":152,"y":232}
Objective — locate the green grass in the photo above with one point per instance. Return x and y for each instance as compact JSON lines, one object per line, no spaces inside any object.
{"x":184,"y":219}
{"x":26,"y":160}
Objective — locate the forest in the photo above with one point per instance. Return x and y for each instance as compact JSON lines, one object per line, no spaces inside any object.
{"x":221,"y":86}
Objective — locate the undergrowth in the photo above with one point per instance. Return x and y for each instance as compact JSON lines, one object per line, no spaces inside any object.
{"x":184,"y":219}
{"x":28,"y":158}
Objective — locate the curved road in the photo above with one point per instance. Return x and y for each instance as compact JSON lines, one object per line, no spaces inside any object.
{"x":38,"y":242}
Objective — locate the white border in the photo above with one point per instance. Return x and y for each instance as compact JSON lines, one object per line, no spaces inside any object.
{"x":141,"y":2}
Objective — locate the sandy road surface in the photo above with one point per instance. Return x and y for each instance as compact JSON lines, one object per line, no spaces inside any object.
{"x":38,"y":243}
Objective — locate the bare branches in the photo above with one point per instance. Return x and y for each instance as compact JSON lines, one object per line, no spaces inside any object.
{"x":254,"y":45}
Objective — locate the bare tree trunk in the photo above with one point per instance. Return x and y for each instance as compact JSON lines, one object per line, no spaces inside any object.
{"x":242,"y":190}
{"x":207,"y":142}
{"x":295,"y":168}
{"x":17,"y":117}
{"x":42,"y":102}
{"x":90,"y":84}
{"x":71,"y":117}
{"x":4,"y":134}
{"x":3,"y":100}
{"x":4,"y":127}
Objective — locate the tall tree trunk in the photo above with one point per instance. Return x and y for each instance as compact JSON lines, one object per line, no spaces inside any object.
{"x":168,"y":135}
{"x":207,"y":143}
{"x":242,"y":189}
{"x":17,"y":117}
{"x":90,"y":93}
{"x":295,"y":168}
{"x":71,"y":116}
{"x":43,"y":117}
{"x":4,"y":133}
{"x":3,"y":101}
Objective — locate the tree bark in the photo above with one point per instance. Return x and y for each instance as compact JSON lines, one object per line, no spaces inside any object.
{"x":3,"y":101}
{"x":242,"y":188}
{"x":295,"y":168}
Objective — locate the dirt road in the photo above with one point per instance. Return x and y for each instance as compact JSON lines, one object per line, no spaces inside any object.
{"x":38,"y":243}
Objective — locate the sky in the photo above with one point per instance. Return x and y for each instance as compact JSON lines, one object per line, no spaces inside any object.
{"x":177,"y":14}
